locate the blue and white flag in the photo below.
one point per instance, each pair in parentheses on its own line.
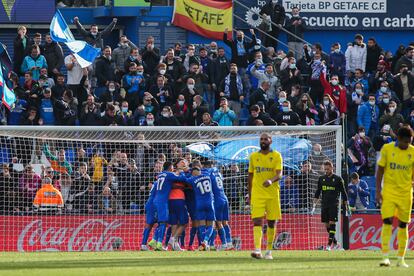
(59,31)
(6,93)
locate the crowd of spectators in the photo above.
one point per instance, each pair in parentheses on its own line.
(367,89)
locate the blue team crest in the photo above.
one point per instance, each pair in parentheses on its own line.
(294,150)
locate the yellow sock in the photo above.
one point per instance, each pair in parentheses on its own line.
(386,237)
(402,241)
(257,235)
(270,237)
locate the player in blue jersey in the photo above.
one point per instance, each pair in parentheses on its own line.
(190,202)
(150,220)
(204,212)
(178,217)
(165,182)
(221,206)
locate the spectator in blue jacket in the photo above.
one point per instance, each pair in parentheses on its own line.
(337,61)
(289,195)
(359,77)
(368,117)
(358,193)
(47,115)
(224,115)
(34,62)
(134,84)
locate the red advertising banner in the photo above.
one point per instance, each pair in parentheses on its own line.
(104,232)
(365,233)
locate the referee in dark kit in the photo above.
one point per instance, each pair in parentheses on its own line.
(331,186)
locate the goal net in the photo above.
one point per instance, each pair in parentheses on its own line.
(105,174)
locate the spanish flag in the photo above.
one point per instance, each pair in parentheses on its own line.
(209,18)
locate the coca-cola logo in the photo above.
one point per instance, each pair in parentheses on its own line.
(366,234)
(90,235)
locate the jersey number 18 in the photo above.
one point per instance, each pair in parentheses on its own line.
(205,186)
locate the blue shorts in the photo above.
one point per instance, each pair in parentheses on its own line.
(221,209)
(162,211)
(150,213)
(205,211)
(178,212)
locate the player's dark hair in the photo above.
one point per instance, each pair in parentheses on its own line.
(354,175)
(196,163)
(405,132)
(208,164)
(327,163)
(178,161)
(166,166)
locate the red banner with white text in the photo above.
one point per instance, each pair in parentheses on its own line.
(106,232)
(365,233)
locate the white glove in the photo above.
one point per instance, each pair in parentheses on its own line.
(313,210)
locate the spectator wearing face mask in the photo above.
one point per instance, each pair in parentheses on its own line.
(167,117)
(213,50)
(328,113)
(110,96)
(306,110)
(181,111)
(385,89)
(392,118)
(120,55)
(404,86)
(134,57)
(355,100)
(150,55)
(290,76)
(380,75)
(134,83)
(190,91)
(95,37)
(161,91)
(149,120)
(126,117)
(336,91)
(358,147)
(104,70)
(356,55)
(337,61)
(359,77)
(276,108)
(287,117)
(259,67)
(368,117)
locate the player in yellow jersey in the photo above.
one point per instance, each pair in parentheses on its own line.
(265,171)
(395,170)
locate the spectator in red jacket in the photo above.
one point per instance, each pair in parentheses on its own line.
(335,90)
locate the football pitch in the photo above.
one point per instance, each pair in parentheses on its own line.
(224,263)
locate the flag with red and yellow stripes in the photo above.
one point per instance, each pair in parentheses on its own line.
(209,18)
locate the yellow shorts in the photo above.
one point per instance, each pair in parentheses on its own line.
(269,207)
(397,207)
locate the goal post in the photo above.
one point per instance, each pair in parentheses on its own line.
(104,175)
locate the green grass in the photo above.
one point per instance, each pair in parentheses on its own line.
(226,263)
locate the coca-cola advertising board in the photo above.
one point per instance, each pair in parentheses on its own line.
(110,232)
(365,233)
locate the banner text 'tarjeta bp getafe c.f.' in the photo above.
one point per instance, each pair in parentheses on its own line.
(368,15)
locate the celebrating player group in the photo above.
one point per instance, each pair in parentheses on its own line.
(179,193)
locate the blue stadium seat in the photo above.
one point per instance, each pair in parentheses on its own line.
(4,156)
(244,116)
(70,155)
